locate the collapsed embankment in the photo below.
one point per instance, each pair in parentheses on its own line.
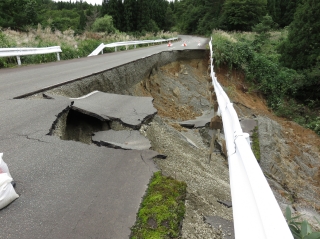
(119,79)
(177,81)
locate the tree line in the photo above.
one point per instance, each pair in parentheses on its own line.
(185,16)
(299,51)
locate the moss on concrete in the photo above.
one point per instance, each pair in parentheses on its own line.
(255,143)
(162,209)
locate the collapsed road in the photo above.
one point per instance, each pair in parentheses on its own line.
(74,189)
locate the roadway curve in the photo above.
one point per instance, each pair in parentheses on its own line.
(67,189)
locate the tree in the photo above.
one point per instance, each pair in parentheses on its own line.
(143,15)
(169,19)
(17,13)
(301,50)
(266,25)
(302,47)
(60,19)
(113,8)
(242,14)
(282,11)
(129,16)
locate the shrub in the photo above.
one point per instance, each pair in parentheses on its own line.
(263,71)
(104,24)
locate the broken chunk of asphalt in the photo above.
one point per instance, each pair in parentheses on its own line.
(200,121)
(220,223)
(132,111)
(123,139)
(228,204)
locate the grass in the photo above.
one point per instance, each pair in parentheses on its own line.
(72,45)
(162,209)
(255,143)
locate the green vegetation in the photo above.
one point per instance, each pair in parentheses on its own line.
(162,209)
(72,45)
(103,24)
(300,230)
(255,143)
(242,14)
(301,49)
(257,55)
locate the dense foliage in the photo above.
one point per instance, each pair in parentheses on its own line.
(301,50)
(139,16)
(242,14)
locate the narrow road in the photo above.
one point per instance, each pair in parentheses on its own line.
(68,189)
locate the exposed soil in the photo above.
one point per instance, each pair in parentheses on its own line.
(180,92)
(293,167)
(289,158)
(289,153)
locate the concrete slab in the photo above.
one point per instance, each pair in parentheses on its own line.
(248,125)
(130,110)
(220,223)
(200,121)
(228,204)
(123,139)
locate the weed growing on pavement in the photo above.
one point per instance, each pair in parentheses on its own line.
(162,209)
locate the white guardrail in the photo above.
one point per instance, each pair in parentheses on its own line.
(127,44)
(256,212)
(6,52)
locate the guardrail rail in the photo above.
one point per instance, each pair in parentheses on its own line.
(17,52)
(127,44)
(256,212)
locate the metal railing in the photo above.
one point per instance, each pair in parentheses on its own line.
(127,44)
(17,52)
(256,212)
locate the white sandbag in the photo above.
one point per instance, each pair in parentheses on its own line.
(7,192)
(3,166)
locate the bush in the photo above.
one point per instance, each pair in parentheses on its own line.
(263,71)
(104,24)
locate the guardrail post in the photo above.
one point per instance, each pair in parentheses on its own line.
(135,46)
(102,51)
(247,137)
(58,56)
(18,60)
(115,49)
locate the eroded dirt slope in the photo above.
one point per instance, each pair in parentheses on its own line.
(180,92)
(289,153)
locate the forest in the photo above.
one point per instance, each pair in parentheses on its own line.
(276,42)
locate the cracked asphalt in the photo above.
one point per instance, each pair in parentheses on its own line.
(67,189)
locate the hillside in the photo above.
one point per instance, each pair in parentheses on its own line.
(290,153)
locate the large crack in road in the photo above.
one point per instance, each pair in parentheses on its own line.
(179,89)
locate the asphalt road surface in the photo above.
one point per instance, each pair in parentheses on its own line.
(68,189)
